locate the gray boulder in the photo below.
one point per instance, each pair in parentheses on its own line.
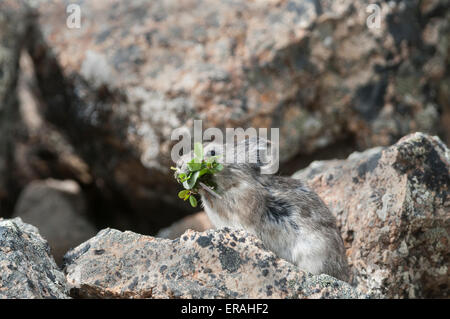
(14,20)
(57,209)
(393,208)
(213,264)
(27,270)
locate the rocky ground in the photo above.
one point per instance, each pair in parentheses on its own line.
(98,104)
(27,268)
(215,264)
(393,209)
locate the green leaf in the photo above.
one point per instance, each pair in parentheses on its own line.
(190,183)
(203,172)
(194,166)
(183,177)
(193,201)
(183,193)
(193,180)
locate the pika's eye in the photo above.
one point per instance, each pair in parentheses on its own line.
(212,153)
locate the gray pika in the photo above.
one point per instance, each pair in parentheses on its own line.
(290,219)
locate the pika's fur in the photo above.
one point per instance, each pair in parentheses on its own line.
(289,218)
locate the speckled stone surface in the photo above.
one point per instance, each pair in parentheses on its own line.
(27,270)
(393,207)
(213,264)
(313,68)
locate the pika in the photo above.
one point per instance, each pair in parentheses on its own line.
(290,219)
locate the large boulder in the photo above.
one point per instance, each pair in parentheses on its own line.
(27,270)
(213,264)
(118,86)
(58,210)
(30,147)
(315,69)
(14,19)
(393,208)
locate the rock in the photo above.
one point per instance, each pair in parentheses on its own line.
(134,71)
(30,148)
(312,68)
(27,270)
(43,151)
(198,222)
(213,264)
(393,208)
(14,18)
(57,209)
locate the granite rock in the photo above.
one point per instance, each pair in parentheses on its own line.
(27,270)
(393,208)
(213,264)
(58,210)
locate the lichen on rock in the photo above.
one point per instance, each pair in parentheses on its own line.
(393,208)
(27,270)
(221,263)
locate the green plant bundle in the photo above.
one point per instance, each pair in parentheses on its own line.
(200,171)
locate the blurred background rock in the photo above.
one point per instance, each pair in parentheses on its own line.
(58,210)
(97,105)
